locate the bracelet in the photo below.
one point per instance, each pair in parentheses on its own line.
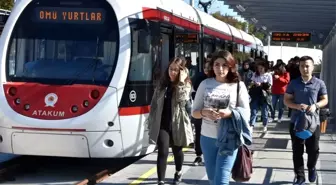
(201,113)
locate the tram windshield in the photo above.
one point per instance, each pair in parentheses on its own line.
(63,43)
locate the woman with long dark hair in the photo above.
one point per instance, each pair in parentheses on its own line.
(217,100)
(168,121)
(260,90)
(281,79)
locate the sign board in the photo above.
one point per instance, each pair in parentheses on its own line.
(69,15)
(291,36)
(187,38)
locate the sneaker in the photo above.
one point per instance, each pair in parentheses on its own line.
(161,183)
(197,161)
(270,120)
(265,129)
(312,175)
(279,120)
(177,178)
(300,181)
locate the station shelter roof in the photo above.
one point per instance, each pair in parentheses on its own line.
(315,16)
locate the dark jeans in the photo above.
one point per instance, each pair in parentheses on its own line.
(164,140)
(275,99)
(255,104)
(198,126)
(289,112)
(312,150)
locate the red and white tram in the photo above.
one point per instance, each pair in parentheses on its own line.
(77,75)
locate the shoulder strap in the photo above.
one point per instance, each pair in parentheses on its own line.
(238,88)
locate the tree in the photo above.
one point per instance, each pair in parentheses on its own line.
(6,4)
(239,25)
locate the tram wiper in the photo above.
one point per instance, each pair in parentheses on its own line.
(95,61)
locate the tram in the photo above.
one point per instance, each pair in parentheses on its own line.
(77,75)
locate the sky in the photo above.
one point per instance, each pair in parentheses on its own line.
(218,6)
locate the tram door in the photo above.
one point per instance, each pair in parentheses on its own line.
(165,48)
(164,54)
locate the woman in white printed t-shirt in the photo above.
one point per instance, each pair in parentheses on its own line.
(215,99)
(259,92)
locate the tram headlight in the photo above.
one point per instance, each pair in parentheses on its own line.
(27,107)
(85,103)
(95,94)
(12,91)
(74,108)
(17,101)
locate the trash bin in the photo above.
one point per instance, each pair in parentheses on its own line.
(324,116)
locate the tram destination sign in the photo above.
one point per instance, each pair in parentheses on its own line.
(187,38)
(69,15)
(291,36)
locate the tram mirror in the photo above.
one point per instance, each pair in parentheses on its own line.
(144,41)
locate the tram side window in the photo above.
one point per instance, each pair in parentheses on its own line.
(141,63)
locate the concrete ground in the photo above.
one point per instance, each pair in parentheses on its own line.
(272,162)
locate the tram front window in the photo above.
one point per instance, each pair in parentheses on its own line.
(52,43)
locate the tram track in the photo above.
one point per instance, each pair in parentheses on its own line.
(104,174)
(50,170)
(9,168)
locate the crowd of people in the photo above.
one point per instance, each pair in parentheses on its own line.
(222,102)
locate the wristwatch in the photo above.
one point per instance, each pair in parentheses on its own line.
(317,106)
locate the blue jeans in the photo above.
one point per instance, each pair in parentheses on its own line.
(255,104)
(275,99)
(218,167)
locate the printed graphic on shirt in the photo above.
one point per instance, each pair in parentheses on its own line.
(216,98)
(265,78)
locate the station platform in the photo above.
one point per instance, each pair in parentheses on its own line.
(272,162)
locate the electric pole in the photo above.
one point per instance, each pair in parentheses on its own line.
(205,5)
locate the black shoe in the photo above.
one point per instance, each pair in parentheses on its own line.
(300,181)
(198,161)
(177,178)
(161,183)
(312,175)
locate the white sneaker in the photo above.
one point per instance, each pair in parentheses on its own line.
(265,129)
(279,120)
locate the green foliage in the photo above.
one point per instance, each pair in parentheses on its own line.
(317,68)
(6,4)
(240,25)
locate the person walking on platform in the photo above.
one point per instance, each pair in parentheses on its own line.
(219,100)
(280,81)
(245,72)
(168,121)
(198,122)
(294,72)
(260,92)
(305,95)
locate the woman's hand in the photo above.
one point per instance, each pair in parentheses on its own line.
(183,74)
(210,114)
(225,113)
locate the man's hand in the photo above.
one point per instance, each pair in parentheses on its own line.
(312,108)
(302,107)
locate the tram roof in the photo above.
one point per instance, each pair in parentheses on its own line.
(315,16)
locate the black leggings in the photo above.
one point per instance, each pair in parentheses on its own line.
(163,151)
(198,127)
